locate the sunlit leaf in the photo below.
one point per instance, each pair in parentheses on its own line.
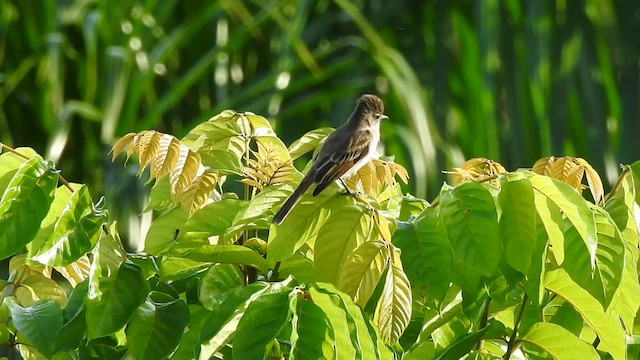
(558,342)
(518,221)
(308,142)
(25,204)
(75,232)
(609,330)
(346,228)
(573,206)
(393,310)
(426,254)
(303,223)
(469,215)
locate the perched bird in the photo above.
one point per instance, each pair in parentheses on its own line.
(344,152)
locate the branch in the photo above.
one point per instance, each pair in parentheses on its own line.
(62,180)
(511,345)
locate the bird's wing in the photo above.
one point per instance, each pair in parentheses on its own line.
(333,165)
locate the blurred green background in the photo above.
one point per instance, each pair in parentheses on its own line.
(508,80)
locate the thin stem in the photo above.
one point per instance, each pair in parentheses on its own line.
(483,321)
(62,180)
(511,345)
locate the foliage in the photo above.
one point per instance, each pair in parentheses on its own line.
(501,264)
(507,80)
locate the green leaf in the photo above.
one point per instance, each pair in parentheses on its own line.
(160,195)
(393,311)
(345,229)
(274,143)
(358,263)
(348,322)
(157,326)
(254,215)
(216,284)
(411,207)
(175,268)
(312,336)
(60,200)
(300,267)
(518,221)
(470,217)
(259,325)
(308,142)
(75,232)
(10,163)
(560,312)
(228,254)
(223,313)
(551,220)
(558,342)
(573,206)
(25,204)
(164,231)
(608,329)
(303,223)
(113,299)
(72,332)
(37,323)
(214,219)
(39,287)
(610,254)
(620,205)
(190,340)
(426,254)
(534,286)
(462,345)
(226,162)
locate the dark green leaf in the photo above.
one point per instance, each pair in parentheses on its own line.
(164,231)
(228,254)
(312,336)
(216,284)
(156,328)
(259,325)
(72,332)
(426,254)
(113,299)
(37,323)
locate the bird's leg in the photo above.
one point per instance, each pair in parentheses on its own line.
(346,188)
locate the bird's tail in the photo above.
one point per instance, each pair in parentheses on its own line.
(306,182)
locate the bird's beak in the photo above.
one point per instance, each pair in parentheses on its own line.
(383,117)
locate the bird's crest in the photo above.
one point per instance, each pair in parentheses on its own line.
(371,103)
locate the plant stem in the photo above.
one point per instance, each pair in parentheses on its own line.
(511,345)
(483,321)
(62,180)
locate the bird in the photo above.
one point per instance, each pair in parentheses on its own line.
(344,152)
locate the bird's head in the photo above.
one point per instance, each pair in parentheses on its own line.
(371,108)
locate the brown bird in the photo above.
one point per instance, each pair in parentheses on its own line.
(344,152)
